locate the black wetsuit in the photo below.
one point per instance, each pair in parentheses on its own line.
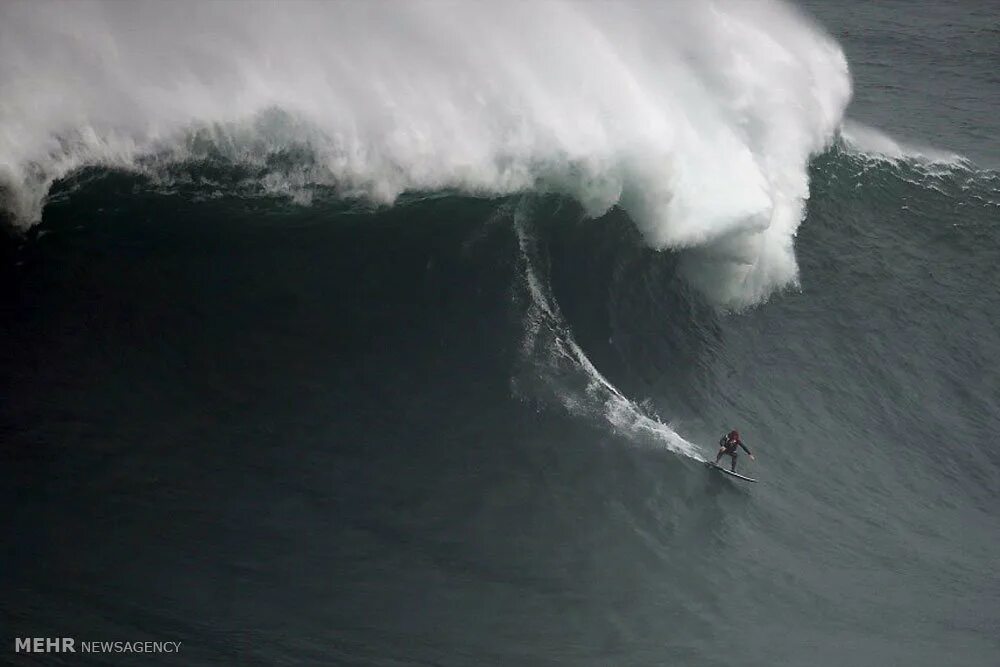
(729,449)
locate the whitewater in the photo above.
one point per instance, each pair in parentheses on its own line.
(698,118)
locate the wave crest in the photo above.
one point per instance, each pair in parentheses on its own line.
(697,118)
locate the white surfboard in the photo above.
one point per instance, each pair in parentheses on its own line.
(711,464)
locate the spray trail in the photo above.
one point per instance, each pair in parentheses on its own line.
(560,363)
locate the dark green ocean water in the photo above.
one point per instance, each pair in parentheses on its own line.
(432,433)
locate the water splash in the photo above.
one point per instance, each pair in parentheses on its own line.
(558,362)
(698,118)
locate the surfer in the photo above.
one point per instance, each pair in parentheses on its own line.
(728,447)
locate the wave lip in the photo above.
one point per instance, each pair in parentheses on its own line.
(699,119)
(864,140)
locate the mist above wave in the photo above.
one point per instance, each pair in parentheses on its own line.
(697,118)
(861,139)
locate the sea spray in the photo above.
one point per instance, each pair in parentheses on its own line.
(698,118)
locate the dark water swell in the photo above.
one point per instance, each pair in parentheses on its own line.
(291,433)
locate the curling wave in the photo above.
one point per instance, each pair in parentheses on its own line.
(699,119)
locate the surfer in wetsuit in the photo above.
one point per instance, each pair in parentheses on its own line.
(728,447)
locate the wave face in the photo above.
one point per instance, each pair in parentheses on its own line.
(379,424)
(697,118)
(333,336)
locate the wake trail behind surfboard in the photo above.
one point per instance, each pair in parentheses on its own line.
(561,364)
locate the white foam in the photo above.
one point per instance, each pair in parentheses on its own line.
(697,117)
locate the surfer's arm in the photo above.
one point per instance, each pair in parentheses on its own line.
(745,449)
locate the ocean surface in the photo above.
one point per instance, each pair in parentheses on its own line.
(398,334)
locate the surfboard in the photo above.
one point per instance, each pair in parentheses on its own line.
(711,464)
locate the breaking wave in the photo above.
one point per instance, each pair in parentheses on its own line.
(698,118)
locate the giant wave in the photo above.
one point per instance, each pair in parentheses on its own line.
(698,118)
